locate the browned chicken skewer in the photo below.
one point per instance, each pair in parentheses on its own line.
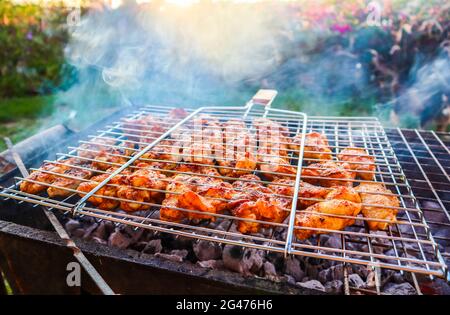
(167,152)
(377,195)
(341,201)
(254,201)
(192,192)
(306,192)
(107,159)
(316,146)
(359,161)
(96,145)
(144,185)
(42,176)
(328,174)
(100,199)
(203,142)
(273,142)
(238,150)
(70,180)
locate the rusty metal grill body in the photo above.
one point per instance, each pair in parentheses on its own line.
(408,245)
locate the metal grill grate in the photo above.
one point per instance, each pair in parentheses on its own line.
(408,245)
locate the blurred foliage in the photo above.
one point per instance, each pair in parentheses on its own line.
(32,38)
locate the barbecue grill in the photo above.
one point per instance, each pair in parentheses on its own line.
(411,164)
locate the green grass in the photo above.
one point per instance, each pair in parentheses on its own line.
(21,117)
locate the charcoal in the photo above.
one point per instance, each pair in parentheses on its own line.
(205,250)
(397,278)
(133,233)
(101,231)
(153,247)
(277,259)
(211,264)
(437,286)
(362,271)
(312,285)
(78,233)
(99,240)
(242,260)
(182,253)
(290,279)
(72,225)
(334,241)
(334,287)
(118,239)
(292,268)
(175,258)
(89,230)
(356,281)
(333,273)
(399,289)
(370,281)
(269,269)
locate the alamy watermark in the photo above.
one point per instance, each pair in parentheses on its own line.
(73,278)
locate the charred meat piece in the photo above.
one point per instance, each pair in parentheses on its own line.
(100,198)
(328,174)
(340,200)
(42,176)
(253,201)
(376,195)
(276,167)
(313,217)
(203,192)
(238,150)
(107,159)
(272,137)
(316,146)
(70,180)
(96,145)
(167,152)
(359,161)
(144,185)
(306,191)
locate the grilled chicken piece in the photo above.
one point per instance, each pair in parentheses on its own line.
(199,193)
(143,185)
(175,188)
(315,142)
(100,198)
(273,149)
(359,161)
(40,175)
(177,114)
(253,201)
(275,167)
(340,200)
(107,159)
(306,191)
(144,129)
(377,195)
(314,219)
(238,151)
(272,137)
(197,148)
(167,152)
(73,177)
(90,150)
(197,169)
(328,174)
(126,148)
